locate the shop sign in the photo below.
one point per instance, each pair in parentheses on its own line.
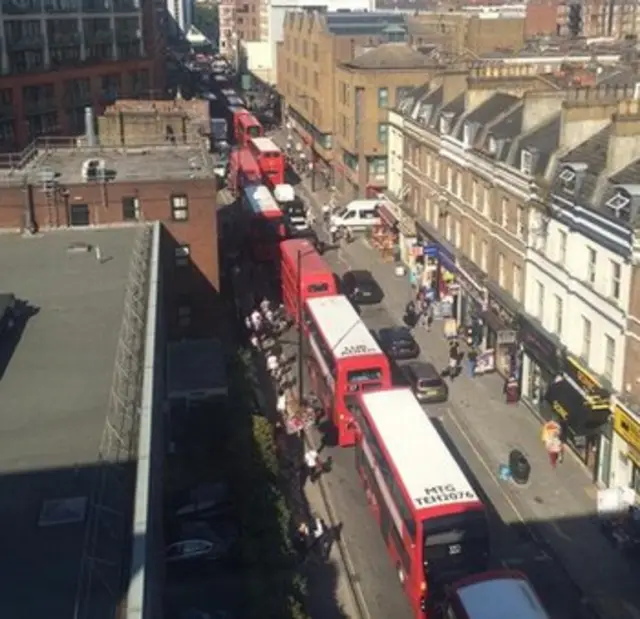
(544,351)
(588,383)
(629,429)
(493,305)
(468,285)
(431,250)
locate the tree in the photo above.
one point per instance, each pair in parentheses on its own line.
(205,19)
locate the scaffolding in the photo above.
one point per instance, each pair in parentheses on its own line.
(104,563)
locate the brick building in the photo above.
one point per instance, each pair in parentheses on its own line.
(61,185)
(54,63)
(241,20)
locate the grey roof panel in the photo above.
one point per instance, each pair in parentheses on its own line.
(488,110)
(544,140)
(390,56)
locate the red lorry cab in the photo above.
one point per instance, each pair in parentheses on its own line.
(303,274)
(246,126)
(345,359)
(433,523)
(270,159)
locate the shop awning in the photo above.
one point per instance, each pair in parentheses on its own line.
(584,414)
(387,216)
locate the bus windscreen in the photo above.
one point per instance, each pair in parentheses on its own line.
(364,376)
(456,544)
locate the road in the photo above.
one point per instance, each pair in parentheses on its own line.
(514,545)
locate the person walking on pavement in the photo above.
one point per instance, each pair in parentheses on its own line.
(301,540)
(472,359)
(454,356)
(554,449)
(333,233)
(312,462)
(326,213)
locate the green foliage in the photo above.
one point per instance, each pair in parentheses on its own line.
(205,19)
(273,587)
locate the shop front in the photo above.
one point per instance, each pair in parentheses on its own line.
(471,299)
(501,332)
(541,360)
(625,460)
(408,248)
(582,406)
(385,237)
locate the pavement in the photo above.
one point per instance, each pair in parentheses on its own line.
(547,528)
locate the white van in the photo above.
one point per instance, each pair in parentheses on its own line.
(357,215)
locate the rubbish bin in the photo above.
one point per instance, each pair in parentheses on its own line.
(520,467)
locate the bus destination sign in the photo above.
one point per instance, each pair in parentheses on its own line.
(448,493)
(358,349)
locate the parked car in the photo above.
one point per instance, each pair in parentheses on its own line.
(426,382)
(398,343)
(201,503)
(201,542)
(361,287)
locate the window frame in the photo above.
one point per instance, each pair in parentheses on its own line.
(383,98)
(179,208)
(181,255)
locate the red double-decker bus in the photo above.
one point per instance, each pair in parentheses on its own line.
(303,274)
(270,159)
(243,170)
(246,126)
(501,593)
(345,359)
(265,226)
(433,523)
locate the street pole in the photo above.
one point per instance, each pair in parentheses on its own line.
(300,333)
(313,163)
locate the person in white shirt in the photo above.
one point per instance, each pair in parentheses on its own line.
(281,404)
(268,314)
(319,529)
(272,365)
(265,304)
(312,462)
(255,342)
(256,320)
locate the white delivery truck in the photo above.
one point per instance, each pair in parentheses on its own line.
(292,206)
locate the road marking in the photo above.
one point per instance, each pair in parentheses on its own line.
(492,476)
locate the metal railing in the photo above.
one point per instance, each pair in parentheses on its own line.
(102,575)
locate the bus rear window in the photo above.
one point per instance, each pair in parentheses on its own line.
(317,288)
(455,529)
(361,376)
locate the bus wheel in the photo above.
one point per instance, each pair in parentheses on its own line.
(401,576)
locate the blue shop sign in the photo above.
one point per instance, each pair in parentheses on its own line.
(435,250)
(431,250)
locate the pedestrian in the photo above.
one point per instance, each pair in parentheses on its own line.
(348,235)
(301,540)
(254,341)
(413,280)
(265,305)
(273,366)
(472,359)
(256,321)
(281,403)
(326,213)
(429,315)
(333,233)
(554,449)
(454,355)
(312,462)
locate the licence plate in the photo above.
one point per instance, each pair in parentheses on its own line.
(429,392)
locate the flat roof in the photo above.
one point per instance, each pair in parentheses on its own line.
(345,333)
(501,598)
(312,261)
(175,162)
(57,376)
(428,470)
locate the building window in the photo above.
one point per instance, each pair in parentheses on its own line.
(520,221)
(449,227)
(539,301)
(517,282)
(383,98)
(79,215)
(591,265)
(609,357)
(179,208)
(562,247)
(504,212)
(315,52)
(472,246)
(383,133)
(130,209)
(526,162)
(458,233)
(557,318)
(484,256)
(501,273)
(485,201)
(436,214)
(475,193)
(181,255)
(616,271)
(428,164)
(450,178)
(586,339)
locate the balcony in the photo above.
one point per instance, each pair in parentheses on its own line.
(56,6)
(24,44)
(37,107)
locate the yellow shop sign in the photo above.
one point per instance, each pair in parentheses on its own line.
(629,429)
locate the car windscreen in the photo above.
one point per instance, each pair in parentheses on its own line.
(429,383)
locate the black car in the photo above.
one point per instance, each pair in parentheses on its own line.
(426,382)
(361,288)
(398,343)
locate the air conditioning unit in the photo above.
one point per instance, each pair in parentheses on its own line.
(93,169)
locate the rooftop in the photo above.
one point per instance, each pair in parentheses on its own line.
(354,23)
(390,56)
(542,141)
(65,160)
(489,110)
(57,384)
